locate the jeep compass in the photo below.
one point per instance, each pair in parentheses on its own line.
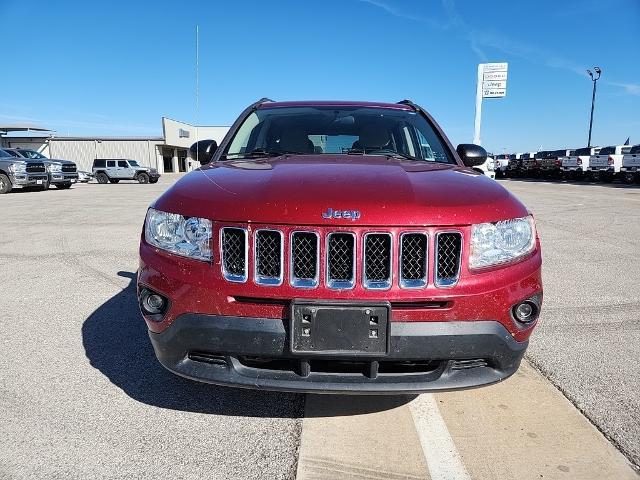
(339,247)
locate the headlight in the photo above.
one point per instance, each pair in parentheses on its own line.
(189,237)
(501,242)
(54,167)
(18,167)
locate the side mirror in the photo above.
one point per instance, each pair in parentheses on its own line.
(472,155)
(203,151)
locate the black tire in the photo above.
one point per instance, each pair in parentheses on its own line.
(63,186)
(143,178)
(102,178)
(153,180)
(628,177)
(5,184)
(114,180)
(45,185)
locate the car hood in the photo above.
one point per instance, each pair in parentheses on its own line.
(297,190)
(56,160)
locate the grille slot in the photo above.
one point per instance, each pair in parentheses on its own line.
(377,260)
(35,167)
(69,167)
(268,257)
(304,259)
(341,260)
(448,252)
(233,244)
(413,260)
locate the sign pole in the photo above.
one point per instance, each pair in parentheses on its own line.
(476,131)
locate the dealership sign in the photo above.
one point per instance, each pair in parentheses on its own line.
(494,79)
(492,83)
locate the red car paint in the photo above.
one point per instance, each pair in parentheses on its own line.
(391,194)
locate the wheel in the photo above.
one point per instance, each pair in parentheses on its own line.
(102,177)
(114,180)
(153,180)
(45,185)
(143,178)
(595,176)
(5,184)
(628,177)
(63,186)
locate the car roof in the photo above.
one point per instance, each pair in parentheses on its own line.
(335,103)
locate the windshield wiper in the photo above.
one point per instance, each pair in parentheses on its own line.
(262,152)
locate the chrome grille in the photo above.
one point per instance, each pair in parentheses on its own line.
(377,260)
(304,262)
(233,243)
(448,253)
(341,253)
(413,260)
(268,257)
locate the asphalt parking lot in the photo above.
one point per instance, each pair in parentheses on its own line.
(82,395)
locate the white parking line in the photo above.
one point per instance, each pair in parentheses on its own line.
(443,460)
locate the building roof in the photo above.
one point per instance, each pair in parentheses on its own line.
(22,127)
(103,138)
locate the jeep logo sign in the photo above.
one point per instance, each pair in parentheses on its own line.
(352,215)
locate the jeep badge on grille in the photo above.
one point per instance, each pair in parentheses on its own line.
(352,215)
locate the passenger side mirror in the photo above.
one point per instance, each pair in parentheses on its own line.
(203,151)
(472,155)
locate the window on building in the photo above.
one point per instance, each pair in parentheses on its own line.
(182,160)
(167,159)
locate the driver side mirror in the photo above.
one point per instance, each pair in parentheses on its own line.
(471,154)
(203,151)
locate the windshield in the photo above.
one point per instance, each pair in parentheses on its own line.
(338,130)
(31,154)
(133,163)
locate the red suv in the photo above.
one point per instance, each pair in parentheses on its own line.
(339,247)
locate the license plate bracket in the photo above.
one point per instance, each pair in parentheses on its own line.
(339,329)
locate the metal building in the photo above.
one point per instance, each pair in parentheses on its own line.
(168,153)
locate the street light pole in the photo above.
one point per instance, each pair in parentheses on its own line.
(594,79)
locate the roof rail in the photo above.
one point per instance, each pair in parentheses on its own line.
(409,103)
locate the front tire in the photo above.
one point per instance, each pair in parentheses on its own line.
(153,180)
(63,186)
(102,178)
(143,178)
(5,184)
(114,180)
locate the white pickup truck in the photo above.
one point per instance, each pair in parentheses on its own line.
(607,162)
(630,169)
(577,164)
(501,162)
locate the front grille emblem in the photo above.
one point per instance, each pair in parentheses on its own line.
(352,215)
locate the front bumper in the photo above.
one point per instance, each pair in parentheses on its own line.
(254,353)
(28,179)
(63,178)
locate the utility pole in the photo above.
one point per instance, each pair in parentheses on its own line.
(594,79)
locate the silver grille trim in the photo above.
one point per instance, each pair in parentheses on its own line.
(234,253)
(413,268)
(305,275)
(377,264)
(268,255)
(448,258)
(340,264)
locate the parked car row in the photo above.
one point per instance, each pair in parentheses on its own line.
(23,168)
(594,163)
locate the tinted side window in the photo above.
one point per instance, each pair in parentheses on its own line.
(608,151)
(123,164)
(635,149)
(99,163)
(111,163)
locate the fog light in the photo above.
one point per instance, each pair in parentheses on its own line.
(152,303)
(525,312)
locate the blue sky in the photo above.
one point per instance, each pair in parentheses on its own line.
(114,68)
